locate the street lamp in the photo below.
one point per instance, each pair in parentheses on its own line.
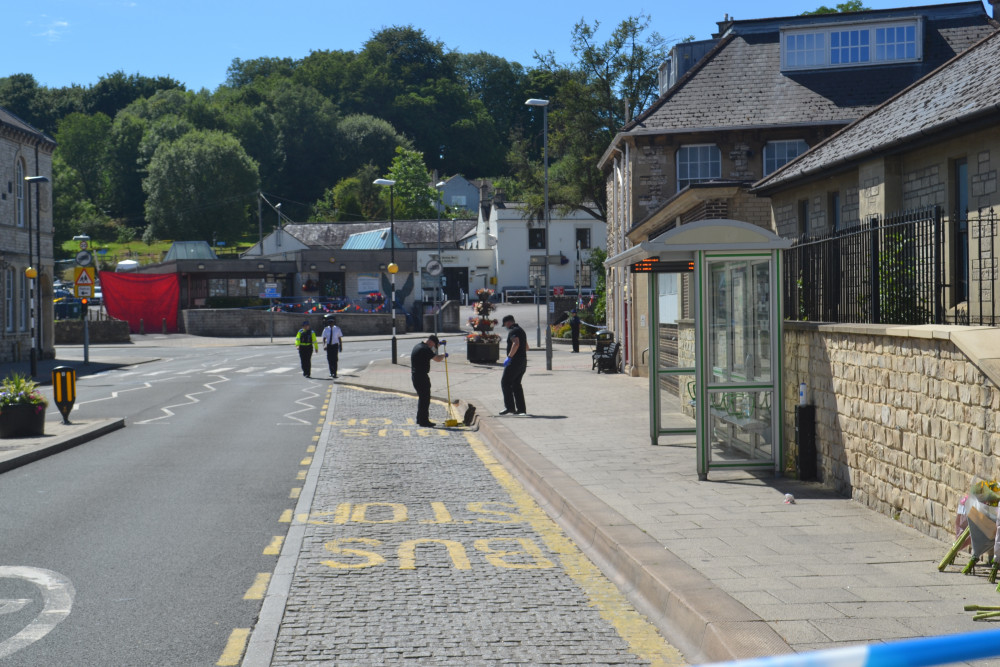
(440,287)
(36,297)
(533,102)
(393,268)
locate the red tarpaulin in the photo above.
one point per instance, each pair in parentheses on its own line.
(138,297)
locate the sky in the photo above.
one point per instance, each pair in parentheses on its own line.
(62,42)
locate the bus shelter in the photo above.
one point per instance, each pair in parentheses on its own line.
(725,370)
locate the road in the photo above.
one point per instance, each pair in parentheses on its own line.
(160,529)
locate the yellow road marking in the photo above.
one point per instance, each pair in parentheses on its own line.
(274,548)
(311,449)
(302,474)
(642,637)
(295,492)
(286,517)
(259,587)
(319,429)
(315,438)
(306,461)
(233,652)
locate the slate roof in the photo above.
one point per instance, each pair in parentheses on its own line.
(411,233)
(11,121)
(739,84)
(963,93)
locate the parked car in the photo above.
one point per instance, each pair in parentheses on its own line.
(60,294)
(98,297)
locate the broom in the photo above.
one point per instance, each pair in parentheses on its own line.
(451,421)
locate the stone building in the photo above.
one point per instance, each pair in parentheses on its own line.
(767,91)
(25,239)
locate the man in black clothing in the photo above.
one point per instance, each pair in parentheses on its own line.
(574,327)
(514,367)
(420,368)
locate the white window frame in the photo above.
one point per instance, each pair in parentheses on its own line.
(852,44)
(705,159)
(779,153)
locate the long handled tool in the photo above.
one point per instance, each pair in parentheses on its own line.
(451,421)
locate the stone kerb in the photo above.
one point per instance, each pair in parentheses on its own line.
(237,322)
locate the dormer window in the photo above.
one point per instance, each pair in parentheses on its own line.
(852,45)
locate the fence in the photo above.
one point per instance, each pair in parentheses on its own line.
(913,268)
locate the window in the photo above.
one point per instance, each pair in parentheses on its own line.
(536,238)
(852,45)
(586,275)
(803,218)
(960,185)
(779,153)
(536,276)
(19,190)
(8,300)
(458,200)
(583,238)
(835,221)
(697,164)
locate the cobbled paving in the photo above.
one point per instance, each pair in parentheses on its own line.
(415,554)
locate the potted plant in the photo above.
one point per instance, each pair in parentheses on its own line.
(482,345)
(22,407)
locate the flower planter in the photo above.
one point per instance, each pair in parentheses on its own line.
(22,421)
(482,353)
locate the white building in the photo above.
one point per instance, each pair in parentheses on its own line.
(519,245)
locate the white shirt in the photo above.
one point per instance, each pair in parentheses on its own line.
(332,335)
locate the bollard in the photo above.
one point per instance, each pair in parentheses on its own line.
(164,326)
(142,327)
(64,390)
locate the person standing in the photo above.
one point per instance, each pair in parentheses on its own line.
(305,342)
(514,367)
(333,342)
(574,328)
(420,368)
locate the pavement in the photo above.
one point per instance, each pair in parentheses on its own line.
(725,568)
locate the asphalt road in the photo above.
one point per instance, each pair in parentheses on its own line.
(156,533)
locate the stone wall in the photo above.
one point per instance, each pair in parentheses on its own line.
(70,332)
(235,322)
(904,419)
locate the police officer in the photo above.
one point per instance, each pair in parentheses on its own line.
(420,368)
(305,342)
(514,367)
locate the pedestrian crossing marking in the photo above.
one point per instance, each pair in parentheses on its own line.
(281,369)
(249,369)
(219,370)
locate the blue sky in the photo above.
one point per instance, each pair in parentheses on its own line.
(62,42)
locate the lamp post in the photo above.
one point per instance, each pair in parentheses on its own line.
(36,297)
(533,102)
(438,292)
(393,268)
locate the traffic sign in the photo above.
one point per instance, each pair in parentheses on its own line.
(84,258)
(83,281)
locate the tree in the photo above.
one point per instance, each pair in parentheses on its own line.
(117,90)
(82,144)
(844,7)
(367,139)
(590,102)
(199,187)
(413,195)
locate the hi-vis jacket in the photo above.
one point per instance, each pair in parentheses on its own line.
(303,339)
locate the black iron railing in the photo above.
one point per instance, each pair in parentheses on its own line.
(917,267)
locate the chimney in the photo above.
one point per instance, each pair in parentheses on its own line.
(725,24)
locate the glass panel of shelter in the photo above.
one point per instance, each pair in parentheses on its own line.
(738,325)
(674,354)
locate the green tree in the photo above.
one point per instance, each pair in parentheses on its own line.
(82,145)
(844,7)
(590,102)
(200,187)
(367,139)
(353,199)
(117,90)
(125,196)
(413,195)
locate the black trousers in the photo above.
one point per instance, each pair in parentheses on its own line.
(576,339)
(510,384)
(332,354)
(422,384)
(305,358)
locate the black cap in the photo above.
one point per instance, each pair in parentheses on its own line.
(305,323)
(508,318)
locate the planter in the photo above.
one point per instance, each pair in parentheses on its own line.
(482,353)
(22,421)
